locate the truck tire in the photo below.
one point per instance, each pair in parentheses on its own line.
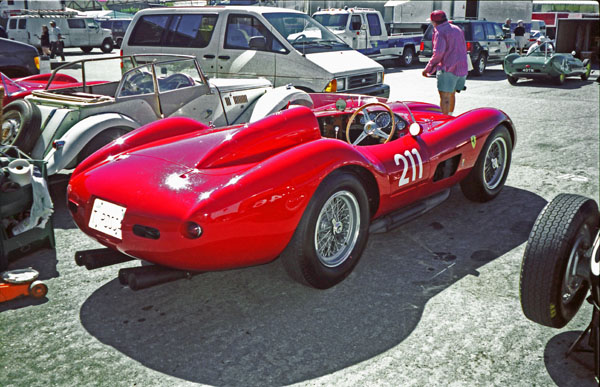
(86,49)
(408,56)
(21,125)
(107,45)
(480,64)
(551,294)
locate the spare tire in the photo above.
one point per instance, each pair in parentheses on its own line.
(21,123)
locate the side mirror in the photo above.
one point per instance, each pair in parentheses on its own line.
(257,43)
(414,129)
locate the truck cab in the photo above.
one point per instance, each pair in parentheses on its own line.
(364,30)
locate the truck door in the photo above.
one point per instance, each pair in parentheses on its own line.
(360,39)
(93,32)
(77,33)
(247,49)
(492,41)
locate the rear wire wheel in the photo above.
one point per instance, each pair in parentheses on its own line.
(332,233)
(552,288)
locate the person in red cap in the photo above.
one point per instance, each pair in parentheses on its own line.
(449,60)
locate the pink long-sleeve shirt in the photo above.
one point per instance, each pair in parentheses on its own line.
(449,50)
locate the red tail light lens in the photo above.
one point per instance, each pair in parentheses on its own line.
(422,47)
(469,46)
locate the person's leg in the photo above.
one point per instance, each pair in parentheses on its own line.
(445,101)
(452,103)
(52,50)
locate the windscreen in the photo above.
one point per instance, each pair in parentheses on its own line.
(304,33)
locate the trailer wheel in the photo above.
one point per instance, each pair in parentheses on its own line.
(551,287)
(408,56)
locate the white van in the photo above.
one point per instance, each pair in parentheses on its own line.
(281,45)
(81,32)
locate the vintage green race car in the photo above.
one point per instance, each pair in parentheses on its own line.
(545,63)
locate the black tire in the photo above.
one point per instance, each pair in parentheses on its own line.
(98,142)
(486,179)
(21,125)
(408,57)
(559,80)
(302,259)
(86,49)
(118,42)
(588,70)
(480,64)
(512,80)
(107,45)
(565,226)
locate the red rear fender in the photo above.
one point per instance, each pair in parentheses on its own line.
(158,130)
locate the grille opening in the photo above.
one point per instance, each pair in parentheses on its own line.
(446,168)
(146,232)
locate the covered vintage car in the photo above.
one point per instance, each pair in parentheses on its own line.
(305,184)
(64,126)
(545,63)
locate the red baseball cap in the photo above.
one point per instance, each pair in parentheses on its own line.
(438,16)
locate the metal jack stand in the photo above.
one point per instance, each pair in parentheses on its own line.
(594,340)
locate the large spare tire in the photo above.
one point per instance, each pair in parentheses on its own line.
(21,122)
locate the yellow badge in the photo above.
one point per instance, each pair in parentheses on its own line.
(473,141)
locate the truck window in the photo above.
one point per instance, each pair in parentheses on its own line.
(355,23)
(333,21)
(190,30)
(243,28)
(478,33)
(76,23)
(374,25)
(498,30)
(489,31)
(12,24)
(148,30)
(22,24)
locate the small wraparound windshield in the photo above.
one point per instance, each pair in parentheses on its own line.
(304,33)
(333,21)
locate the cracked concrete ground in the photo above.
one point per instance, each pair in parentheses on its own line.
(434,302)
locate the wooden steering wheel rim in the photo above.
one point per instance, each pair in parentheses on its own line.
(360,109)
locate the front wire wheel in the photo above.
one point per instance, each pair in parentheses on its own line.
(486,179)
(331,234)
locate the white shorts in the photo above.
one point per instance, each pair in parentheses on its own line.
(520,41)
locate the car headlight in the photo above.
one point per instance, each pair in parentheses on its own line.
(341,83)
(331,86)
(380,77)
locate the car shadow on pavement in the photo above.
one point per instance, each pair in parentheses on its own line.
(58,191)
(496,74)
(257,326)
(577,370)
(570,83)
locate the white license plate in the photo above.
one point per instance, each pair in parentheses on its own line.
(528,70)
(107,217)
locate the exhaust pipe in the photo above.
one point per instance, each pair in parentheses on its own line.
(143,277)
(97,258)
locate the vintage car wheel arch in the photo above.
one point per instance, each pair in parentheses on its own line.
(81,134)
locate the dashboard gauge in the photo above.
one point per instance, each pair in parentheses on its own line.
(363,119)
(383,119)
(400,123)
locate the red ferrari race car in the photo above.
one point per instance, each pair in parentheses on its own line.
(307,184)
(21,87)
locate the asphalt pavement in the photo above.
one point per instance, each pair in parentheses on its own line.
(434,302)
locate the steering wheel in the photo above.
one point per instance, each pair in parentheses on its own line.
(370,128)
(138,83)
(298,38)
(175,81)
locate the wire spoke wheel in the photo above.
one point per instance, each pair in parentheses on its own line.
(495,163)
(337,228)
(11,126)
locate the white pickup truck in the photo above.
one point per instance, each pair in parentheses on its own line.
(364,30)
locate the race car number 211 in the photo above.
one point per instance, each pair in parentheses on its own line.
(398,157)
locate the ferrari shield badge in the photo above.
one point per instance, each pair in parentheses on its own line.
(473,141)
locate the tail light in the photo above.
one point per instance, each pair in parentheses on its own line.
(422,47)
(469,46)
(121,54)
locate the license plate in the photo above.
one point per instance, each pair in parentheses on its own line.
(107,217)
(528,70)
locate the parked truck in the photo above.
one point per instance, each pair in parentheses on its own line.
(364,30)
